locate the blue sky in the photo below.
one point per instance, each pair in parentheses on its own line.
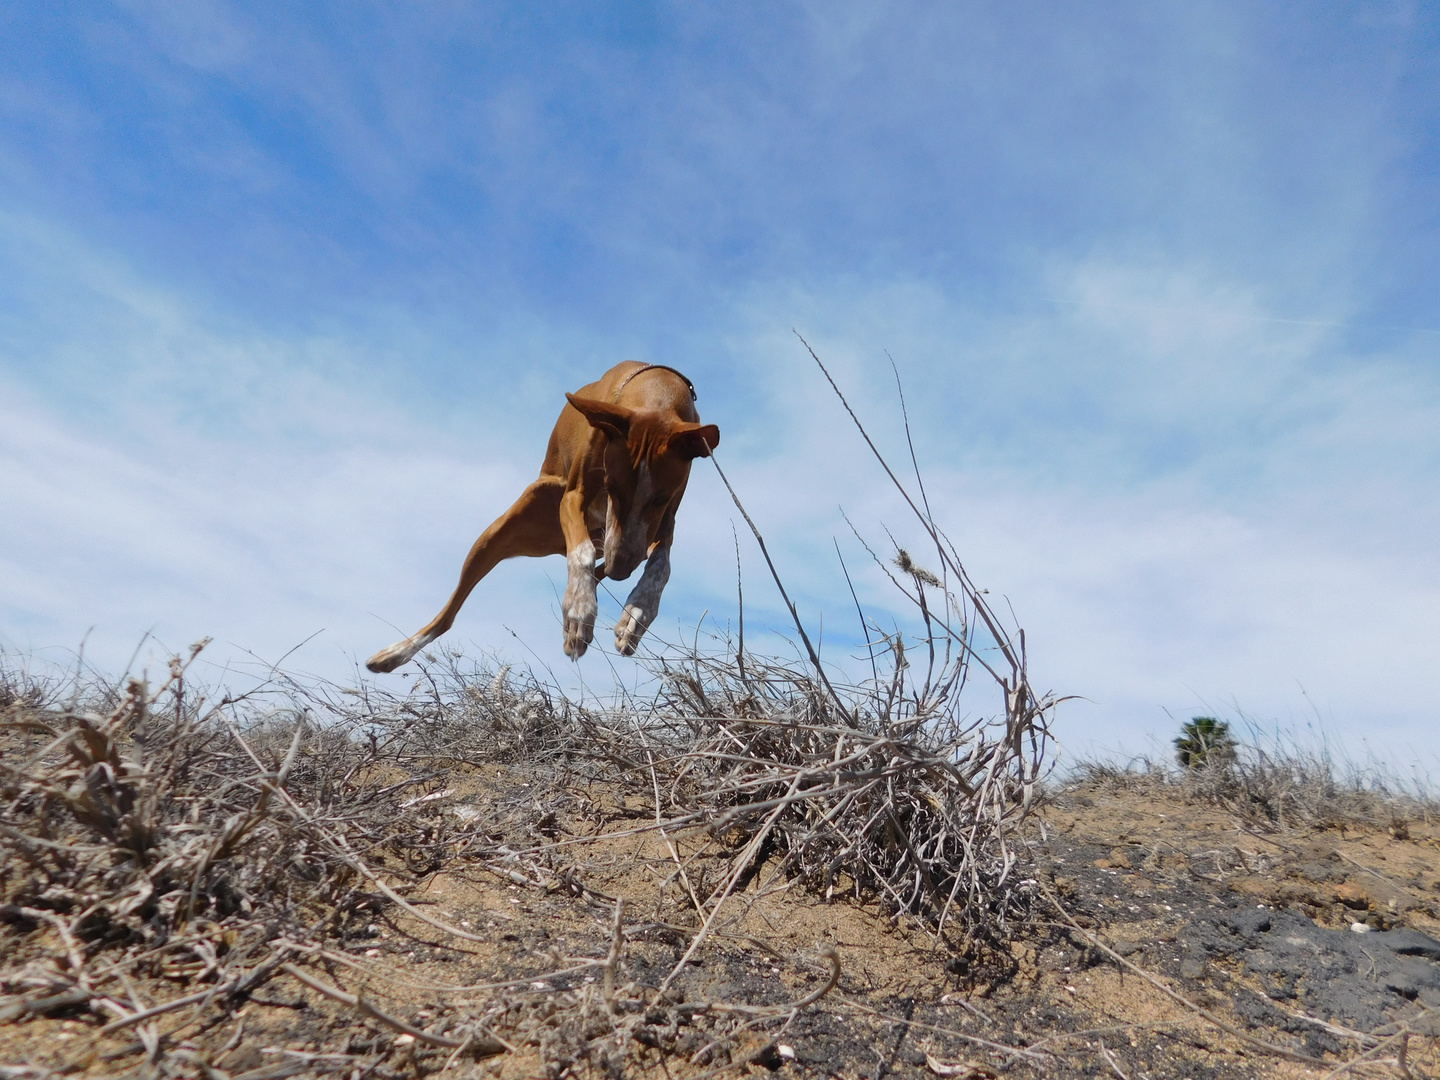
(289,297)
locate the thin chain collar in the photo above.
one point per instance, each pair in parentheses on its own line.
(656,367)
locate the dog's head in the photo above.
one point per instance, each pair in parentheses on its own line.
(647,461)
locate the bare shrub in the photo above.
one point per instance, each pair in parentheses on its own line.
(173,840)
(20,686)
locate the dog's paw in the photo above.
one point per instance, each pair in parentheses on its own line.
(578,635)
(391,658)
(630,629)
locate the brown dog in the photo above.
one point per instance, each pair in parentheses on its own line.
(613,477)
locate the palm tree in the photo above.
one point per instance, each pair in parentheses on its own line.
(1203,741)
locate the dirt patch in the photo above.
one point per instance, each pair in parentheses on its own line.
(1321,942)
(1214,911)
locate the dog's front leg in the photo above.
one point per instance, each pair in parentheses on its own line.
(578,607)
(644,602)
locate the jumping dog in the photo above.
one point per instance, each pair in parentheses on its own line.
(613,477)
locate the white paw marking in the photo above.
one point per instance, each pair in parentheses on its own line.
(579,605)
(399,654)
(643,603)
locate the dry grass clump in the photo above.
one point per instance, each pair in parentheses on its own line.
(1282,785)
(163,860)
(169,843)
(455,713)
(887,795)
(884,791)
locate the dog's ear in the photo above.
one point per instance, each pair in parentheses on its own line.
(614,420)
(693,440)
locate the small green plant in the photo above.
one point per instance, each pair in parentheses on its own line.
(1204,741)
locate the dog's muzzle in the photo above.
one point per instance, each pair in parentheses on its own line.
(619,567)
(622,553)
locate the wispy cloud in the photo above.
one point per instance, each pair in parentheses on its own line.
(193,475)
(242,489)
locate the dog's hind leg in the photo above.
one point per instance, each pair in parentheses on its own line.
(530,527)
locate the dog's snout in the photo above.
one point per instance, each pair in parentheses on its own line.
(622,564)
(622,552)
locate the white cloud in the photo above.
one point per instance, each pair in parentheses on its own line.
(319,501)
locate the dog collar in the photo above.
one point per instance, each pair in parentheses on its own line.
(659,367)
